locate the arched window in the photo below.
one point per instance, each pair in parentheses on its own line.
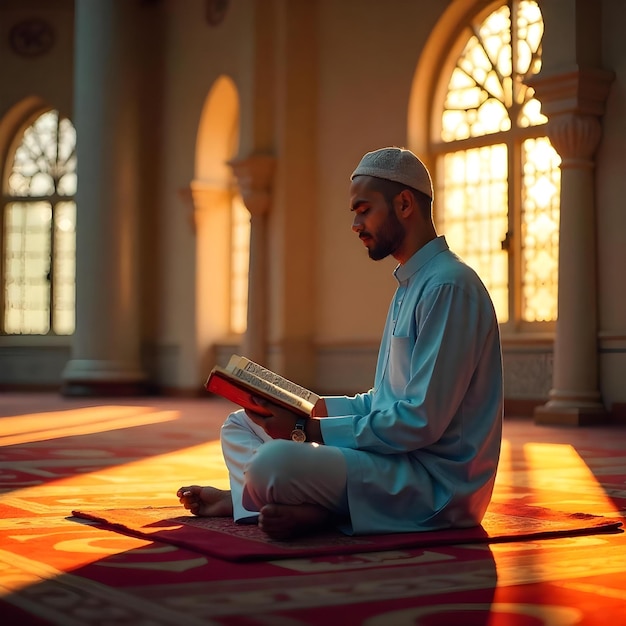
(497,175)
(38,230)
(239,260)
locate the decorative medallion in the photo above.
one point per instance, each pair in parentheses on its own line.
(31,38)
(216,10)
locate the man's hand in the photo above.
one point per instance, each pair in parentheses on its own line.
(320,410)
(280,424)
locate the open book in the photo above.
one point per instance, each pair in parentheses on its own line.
(243,379)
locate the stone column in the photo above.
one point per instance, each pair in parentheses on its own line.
(211,214)
(254,178)
(106,344)
(574,101)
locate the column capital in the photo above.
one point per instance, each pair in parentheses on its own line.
(200,196)
(573,101)
(254,176)
(575,138)
(579,90)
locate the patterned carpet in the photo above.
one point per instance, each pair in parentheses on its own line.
(57,455)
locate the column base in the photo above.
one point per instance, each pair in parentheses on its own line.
(548,415)
(572,408)
(104,389)
(89,378)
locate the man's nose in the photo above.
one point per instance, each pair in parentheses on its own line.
(357,226)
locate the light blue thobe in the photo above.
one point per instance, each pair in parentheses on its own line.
(422,446)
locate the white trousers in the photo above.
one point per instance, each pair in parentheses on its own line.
(263,470)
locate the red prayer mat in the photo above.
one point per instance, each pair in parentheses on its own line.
(222,538)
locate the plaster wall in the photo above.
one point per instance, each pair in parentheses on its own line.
(611,211)
(364,91)
(317,109)
(195,56)
(48,77)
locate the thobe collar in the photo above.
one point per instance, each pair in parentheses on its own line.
(420,258)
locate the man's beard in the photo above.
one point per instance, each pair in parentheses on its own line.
(388,238)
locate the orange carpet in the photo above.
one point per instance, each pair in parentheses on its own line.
(59,455)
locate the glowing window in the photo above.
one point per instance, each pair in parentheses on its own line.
(498,177)
(473,219)
(38,231)
(540,230)
(240,259)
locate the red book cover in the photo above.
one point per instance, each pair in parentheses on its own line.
(226,388)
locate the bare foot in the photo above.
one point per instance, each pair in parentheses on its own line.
(206,501)
(284,521)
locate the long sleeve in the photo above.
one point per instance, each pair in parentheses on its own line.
(427,376)
(422,446)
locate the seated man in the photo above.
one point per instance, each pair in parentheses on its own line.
(419,450)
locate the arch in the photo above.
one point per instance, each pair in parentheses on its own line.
(218,133)
(502,218)
(39,211)
(212,192)
(15,120)
(443,38)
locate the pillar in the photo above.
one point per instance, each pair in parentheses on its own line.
(212,214)
(254,178)
(574,101)
(106,344)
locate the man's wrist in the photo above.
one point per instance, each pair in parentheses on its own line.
(314,430)
(298,433)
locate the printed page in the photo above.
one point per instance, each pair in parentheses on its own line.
(261,372)
(269,388)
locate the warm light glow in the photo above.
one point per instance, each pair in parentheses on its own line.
(103,479)
(240,261)
(540,230)
(488,79)
(531,114)
(555,468)
(472,215)
(39,231)
(487,95)
(553,476)
(23,429)
(106,476)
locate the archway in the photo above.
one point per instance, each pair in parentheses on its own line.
(212,191)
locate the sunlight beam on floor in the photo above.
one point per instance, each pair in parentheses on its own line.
(86,421)
(559,468)
(149,482)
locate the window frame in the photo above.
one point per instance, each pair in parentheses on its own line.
(15,132)
(513,139)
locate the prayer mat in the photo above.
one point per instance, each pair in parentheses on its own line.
(222,538)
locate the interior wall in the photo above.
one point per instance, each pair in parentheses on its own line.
(349,92)
(611,213)
(364,91)
(28,86)
(48,76)
(196,55)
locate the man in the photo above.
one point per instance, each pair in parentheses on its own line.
(419,451)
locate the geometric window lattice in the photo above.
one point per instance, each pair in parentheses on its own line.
(540,230)
(39,231)
(486,93)
(498,199)
(473,220)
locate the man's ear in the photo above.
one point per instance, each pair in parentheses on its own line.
(407,203)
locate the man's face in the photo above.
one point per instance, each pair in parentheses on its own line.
(375,222)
